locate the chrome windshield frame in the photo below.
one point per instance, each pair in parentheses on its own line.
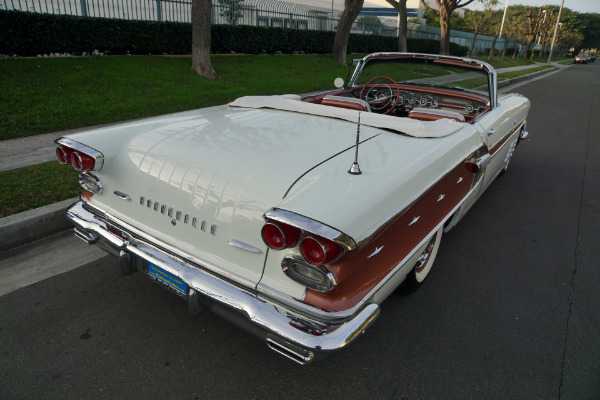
(492,79)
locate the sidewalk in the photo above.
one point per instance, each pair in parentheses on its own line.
(22,152)
(33,150)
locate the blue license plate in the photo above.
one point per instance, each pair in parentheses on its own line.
(167,278)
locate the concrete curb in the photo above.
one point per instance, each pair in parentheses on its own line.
(34,224)
(533,75)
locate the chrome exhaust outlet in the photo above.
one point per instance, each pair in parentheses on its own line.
(286,349)
(87,237)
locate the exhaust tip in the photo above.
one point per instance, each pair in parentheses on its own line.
(288,350)
(87,237)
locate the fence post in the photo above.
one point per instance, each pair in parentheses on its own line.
(84,12)
(158,10)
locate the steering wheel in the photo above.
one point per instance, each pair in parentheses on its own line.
(380,96)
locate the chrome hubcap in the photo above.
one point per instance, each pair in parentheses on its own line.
(420,264)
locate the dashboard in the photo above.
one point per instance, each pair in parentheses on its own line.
(409,100)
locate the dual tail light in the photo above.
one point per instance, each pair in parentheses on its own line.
(80,156)
(83,159)
(315,251)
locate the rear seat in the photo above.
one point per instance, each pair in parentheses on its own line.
(346,102)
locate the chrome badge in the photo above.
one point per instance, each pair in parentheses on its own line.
(176,215)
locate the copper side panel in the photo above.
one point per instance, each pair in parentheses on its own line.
(360,271)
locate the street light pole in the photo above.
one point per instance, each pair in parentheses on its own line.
(503,17)
(555,30)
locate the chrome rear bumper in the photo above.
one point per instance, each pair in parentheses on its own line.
(294,334)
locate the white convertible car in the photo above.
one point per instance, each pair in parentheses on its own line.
(296,216)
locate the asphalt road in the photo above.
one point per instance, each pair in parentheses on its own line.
(511,310)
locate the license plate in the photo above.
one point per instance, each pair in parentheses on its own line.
(167,278)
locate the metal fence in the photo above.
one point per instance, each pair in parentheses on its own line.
(482,42)
(273,13)
(243,12)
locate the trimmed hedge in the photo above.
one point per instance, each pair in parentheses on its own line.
(30,34)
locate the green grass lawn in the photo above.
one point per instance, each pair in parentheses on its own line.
(46,95)
(31,187)
(54,94)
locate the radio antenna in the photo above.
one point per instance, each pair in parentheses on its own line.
(355,168)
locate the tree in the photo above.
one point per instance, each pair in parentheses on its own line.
(510,31)
(535,24)
(371,23)
(476,21)
(400,6)
(456,21)
(589,29)
(547,31)
(445,8)
(492,29)
(201,39)
(340,42)
(232,10)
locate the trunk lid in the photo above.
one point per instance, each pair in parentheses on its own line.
(202,179)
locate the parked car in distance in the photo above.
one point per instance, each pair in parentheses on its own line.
(297,216)
(582,58)
(592,57)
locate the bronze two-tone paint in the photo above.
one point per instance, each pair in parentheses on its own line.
(362,269)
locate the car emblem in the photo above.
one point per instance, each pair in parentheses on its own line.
(176,215)
(377,250)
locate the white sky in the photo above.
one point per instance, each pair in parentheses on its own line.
(583,6)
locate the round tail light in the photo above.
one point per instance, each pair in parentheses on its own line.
(64,155)
(279,236)
(82,162)
(319,251)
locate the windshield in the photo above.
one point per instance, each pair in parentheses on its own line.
(436,72)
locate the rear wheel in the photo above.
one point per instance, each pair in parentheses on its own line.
(420,271)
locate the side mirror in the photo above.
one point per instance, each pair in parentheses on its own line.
(339,83)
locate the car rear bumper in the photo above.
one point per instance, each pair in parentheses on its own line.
(294,334)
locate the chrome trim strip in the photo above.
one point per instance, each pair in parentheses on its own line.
(383,282)
(502,142)
(103,219)
(491,72)
(269,316)
(93,177)
(244,246)
(312,226)
(290,259)
(122,195)
(342,315)
(395,212)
